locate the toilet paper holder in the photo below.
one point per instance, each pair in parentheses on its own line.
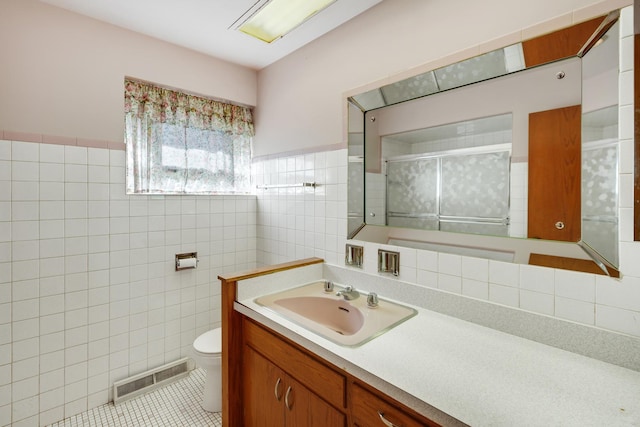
(186,261)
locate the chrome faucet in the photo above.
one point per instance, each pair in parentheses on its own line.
(348,293)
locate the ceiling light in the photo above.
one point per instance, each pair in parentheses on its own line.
(277,17)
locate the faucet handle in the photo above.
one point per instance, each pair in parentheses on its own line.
(372,300)
(346,290)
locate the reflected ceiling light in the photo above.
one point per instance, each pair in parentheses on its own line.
(275,18)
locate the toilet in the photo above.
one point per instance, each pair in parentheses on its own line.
(207,349)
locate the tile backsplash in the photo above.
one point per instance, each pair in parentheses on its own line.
(299,222)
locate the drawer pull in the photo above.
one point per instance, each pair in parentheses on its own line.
(386,421)
(286,398)
(276,390)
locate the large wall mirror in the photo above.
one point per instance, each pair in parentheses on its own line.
(511,155)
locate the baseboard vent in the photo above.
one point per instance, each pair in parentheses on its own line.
(145,382)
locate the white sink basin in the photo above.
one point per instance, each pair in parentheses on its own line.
(348,323)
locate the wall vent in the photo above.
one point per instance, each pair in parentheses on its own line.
(145,382)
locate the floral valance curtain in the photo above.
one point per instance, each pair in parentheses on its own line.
(172,107)
(184,144)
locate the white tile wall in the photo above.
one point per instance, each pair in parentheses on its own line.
(300,222)
(518,203)
(88,291)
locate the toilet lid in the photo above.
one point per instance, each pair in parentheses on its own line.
(209,342)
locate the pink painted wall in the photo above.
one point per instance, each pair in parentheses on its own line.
(301,97)
(62,73)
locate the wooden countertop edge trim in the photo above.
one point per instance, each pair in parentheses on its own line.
(270,269)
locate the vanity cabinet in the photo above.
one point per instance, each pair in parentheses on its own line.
(273,391)
(262,380)
(260,367)
(273,398)
(274,372)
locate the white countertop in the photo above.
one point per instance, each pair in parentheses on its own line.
(478,375)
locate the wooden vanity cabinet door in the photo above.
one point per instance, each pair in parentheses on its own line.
(261,378)
(367,406)
(320,378)
(271,394)
(307,409)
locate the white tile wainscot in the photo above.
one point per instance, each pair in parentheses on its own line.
(88,288)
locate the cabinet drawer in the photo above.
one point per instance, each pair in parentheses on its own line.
(366,408)
(319,378)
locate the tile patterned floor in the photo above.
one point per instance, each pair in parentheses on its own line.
(177,404)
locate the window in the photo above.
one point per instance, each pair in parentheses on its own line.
(184,144)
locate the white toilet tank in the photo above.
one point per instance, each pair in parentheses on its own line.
(209,343)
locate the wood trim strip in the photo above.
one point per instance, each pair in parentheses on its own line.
(636,130)
(231,345)
(234,277)
(231,413)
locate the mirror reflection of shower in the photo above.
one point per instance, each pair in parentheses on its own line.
(453,177)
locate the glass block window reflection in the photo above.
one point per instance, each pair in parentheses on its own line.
(477,69)
(411,88)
